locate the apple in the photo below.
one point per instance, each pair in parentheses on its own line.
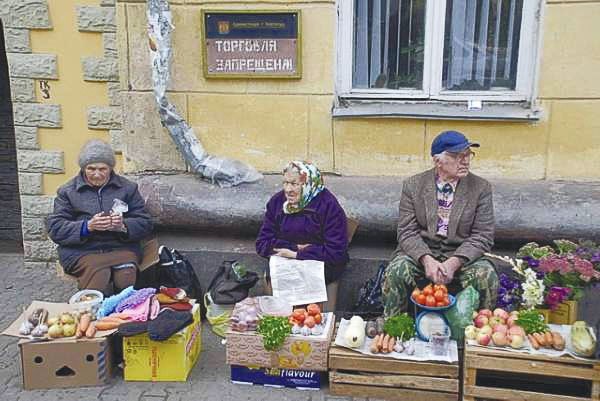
(481,321)
(511,320)
(516,341)
(486,330)
(499,339)
(501,313)
(495,320)
(475,314)
(500,328)
(516,331)
(483,339)
(485,312)
(514,313)
(471,332)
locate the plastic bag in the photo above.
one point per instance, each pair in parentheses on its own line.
(272,306)
(217,315)
(461,314)
(245,315)
(119,207)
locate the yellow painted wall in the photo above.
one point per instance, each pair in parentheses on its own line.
(70,91)
(267,122)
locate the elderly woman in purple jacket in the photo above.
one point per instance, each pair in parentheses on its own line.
(305,221)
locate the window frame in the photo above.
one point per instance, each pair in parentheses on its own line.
(527,66)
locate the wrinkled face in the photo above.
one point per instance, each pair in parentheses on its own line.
(97,174)
(292,187)
(455,165)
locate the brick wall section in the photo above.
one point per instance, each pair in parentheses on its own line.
(102,19)
(25,67)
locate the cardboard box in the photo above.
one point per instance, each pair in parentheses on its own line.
(566,313)
(169,360)
(297,352)
(275,377)
(64,363)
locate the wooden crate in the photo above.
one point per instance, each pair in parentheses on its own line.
(540,369)
(358,375)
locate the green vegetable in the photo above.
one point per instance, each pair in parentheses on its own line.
(274,330)
(401,326)
(532,322)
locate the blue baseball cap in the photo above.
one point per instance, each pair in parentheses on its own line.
(451,141)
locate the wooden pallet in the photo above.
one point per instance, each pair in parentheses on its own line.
(358,375)
(536,368)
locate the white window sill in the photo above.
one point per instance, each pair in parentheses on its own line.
(507,111)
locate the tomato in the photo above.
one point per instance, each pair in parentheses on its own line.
(318,318)
(440,287)
(439,295)
(430,300)
(313,309)
(438,304)
(415,294)
(299,315)
(310,322)
(428,290)
(446,301)
(421,299)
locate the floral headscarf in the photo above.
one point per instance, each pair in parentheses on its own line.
(312,185)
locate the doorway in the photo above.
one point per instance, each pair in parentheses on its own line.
(10,206)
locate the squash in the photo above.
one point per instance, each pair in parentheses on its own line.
(355,332)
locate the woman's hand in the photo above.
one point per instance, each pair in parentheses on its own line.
(100,222)
(284,253)
(302,247)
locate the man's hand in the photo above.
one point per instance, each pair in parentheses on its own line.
(433,269)
(449,268)
(116,221)
(284,253)
(303,246)
(99,222)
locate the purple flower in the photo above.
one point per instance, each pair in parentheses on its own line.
(557,295)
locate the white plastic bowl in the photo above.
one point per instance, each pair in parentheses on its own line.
(86,306)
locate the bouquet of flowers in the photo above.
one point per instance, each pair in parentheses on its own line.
(549,275)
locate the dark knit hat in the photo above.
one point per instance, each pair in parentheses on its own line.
(96,151)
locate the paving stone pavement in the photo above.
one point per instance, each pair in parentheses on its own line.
(209,380)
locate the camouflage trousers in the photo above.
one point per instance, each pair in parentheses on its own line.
(402,273)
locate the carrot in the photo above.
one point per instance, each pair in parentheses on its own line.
(548,338)
(91,331)
(84,322)
(107,325)
(373,348)
(541,339)
(534,343)
(380,342)
(391,344)
(384,345)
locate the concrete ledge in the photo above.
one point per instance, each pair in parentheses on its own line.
(525,210)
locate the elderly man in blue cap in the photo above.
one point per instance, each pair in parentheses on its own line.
(446,225)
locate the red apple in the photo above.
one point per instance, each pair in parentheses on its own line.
(500,339)
(511,320)
(483,339)
(500,328)
(516,331)
(486,330)
(495,320)
(485,312)
(481,321)
(516,341)
(501,313)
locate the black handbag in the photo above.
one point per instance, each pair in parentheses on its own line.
(231,283)
(175,270)
(370,296)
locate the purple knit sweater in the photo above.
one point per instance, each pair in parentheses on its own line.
(135,299)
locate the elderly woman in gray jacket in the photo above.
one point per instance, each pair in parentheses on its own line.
(97,245)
